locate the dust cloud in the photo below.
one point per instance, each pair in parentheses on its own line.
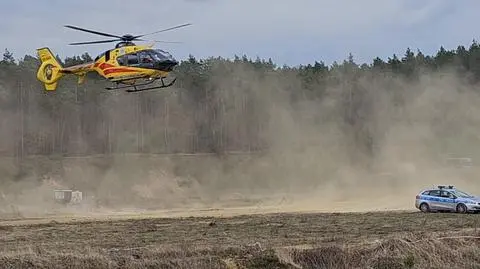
(317,156)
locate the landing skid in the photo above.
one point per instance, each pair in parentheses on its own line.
(137,89)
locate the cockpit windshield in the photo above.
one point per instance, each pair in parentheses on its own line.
(160,55)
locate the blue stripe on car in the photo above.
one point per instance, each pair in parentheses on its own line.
(438,199)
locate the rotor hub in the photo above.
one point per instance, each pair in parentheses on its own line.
(128,37)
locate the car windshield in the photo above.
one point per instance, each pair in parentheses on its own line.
(461,194)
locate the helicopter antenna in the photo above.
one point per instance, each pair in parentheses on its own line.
(124,38)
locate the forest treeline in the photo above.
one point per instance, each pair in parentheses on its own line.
(213,107)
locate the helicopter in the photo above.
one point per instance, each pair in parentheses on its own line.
(128,66)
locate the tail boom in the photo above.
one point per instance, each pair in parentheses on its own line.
(50,70)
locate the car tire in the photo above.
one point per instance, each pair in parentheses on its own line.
(461,208)
(424,208)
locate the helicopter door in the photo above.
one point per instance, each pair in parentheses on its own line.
(146,59)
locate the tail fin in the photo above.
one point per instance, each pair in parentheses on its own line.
(50,70)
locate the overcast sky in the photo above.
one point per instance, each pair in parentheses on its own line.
(289,32)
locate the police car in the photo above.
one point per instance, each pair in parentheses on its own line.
(446,198)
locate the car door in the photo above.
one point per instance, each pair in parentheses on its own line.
(447,200)
(434,200)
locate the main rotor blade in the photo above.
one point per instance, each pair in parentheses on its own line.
(91,31)
(164,30)
(170,42)
(161,41)
(95,42)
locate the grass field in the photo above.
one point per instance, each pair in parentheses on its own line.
(277,240)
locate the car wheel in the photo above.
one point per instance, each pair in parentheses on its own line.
(424,208)
(461,208)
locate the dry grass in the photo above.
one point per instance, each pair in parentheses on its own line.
(369,240)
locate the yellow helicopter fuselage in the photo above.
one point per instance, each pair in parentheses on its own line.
(124,64)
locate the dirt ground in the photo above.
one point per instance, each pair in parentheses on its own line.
(212,239)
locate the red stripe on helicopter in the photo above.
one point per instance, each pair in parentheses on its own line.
(118,70)
(105,65)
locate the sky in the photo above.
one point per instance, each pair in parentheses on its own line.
(288,32)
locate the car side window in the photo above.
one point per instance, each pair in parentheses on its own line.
(435,193)
(444,194)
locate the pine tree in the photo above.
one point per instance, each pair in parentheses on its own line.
(8,57)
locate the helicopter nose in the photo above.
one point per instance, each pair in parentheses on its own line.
(167,65)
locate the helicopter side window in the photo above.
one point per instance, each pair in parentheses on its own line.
(132,59)
(122,60)
(128,60)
